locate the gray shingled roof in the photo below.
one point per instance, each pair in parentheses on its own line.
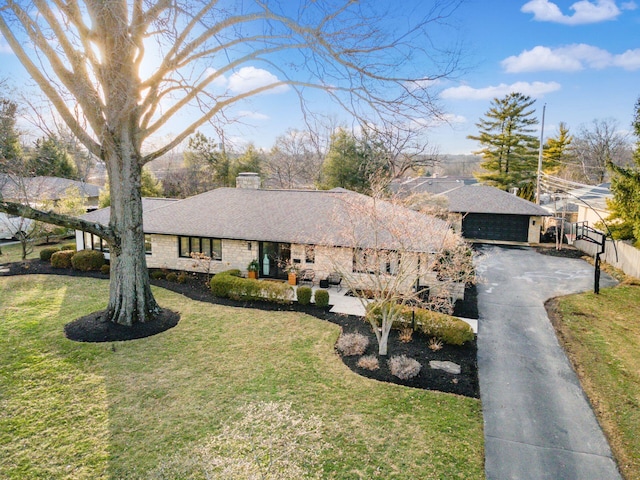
(43,188)
(486,199)
(338,218)
(102,215)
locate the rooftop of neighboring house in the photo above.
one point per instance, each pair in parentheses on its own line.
(432,185)
(33,189)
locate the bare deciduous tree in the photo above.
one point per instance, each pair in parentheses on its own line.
(400,258)
(118,71)
(594,145)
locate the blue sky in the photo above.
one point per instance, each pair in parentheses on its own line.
(581,59)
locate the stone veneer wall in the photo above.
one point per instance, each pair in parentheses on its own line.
(235,254)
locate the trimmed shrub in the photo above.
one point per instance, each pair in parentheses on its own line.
(68,246)
(45,253)
(304,295)
(234,272)
(369,362)
(352,344)
(157,275)
(105,269)
(87,260)
(182,278)
(322,298)
(227,285)
(62,259)
(404,367)
(172,276)
(450,330)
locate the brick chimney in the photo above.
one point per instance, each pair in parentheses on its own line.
(249,180)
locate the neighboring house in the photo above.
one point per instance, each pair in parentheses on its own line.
(35,191)
(324,231)
(489,214)
(432,185)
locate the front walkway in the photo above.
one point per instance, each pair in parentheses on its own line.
(348,305)
(538,422)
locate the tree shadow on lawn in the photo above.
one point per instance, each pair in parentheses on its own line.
(94,328)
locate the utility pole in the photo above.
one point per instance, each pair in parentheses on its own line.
(544,107)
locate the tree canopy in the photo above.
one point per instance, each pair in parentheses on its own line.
(625,184)
(117,72)
(509,149)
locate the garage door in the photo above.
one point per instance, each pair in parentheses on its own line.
(513,228)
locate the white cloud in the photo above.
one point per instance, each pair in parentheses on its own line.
(584,11)
(533,89)
(570,58)
(253,115)
(250,78)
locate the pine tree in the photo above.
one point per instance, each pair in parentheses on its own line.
(556,150)
(10,150)
(508,148)
(624,217)
(51,158)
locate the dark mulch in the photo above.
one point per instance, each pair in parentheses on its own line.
(96,328)
(466,383)
(566,252)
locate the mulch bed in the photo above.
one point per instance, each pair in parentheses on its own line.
(93,328)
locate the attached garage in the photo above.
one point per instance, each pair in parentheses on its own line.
(511,228)
(490,214)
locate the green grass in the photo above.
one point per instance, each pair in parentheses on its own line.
(601,334)
(171,405)
(13,252)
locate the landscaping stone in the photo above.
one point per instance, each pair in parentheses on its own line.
(447,366)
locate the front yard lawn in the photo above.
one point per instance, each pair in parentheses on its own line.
(601,334)
(228,392)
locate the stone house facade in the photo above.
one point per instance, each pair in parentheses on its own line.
(323,231)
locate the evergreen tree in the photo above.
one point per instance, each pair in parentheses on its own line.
(556,151)
(509,150)
(10,150)
(204,157)
(624,217)
(51,158)
(150,186)
(352,164)
(249,161)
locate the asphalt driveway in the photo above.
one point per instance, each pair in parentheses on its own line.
(538,423)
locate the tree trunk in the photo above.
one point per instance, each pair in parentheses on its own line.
(130,297)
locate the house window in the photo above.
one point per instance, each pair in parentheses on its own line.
(211,247)
(94,242)
(310,254)
(147,244)
(375,261)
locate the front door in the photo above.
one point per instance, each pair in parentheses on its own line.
(273,259)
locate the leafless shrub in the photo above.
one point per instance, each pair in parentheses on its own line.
(369,362)
(435,344)
(404,367)
(352,344)
(405,335)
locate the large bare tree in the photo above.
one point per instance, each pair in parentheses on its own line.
(117,71)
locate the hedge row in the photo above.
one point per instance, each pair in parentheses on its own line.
(450,330)
(228,285)
(84,260)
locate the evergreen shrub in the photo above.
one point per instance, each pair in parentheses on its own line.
(45,253)
(322,298)
(62,259)
(304,295)
(87,260)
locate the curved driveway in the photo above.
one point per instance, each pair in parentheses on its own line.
(538,423)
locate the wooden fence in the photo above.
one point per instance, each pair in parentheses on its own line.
(627,258)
